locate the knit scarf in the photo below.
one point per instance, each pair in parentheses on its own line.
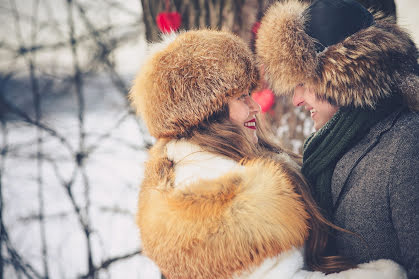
(323,149)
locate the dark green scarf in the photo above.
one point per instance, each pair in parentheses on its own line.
(324,148)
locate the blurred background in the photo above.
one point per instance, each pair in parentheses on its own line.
(72,150)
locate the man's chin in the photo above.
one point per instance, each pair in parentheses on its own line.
(317,126)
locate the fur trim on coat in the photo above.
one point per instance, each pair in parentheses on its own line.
(290,264)
(222,226)
(358,71)
(205,216)
(190,76)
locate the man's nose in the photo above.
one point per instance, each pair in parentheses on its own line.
(298,97)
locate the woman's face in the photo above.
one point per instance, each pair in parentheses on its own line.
(242,111)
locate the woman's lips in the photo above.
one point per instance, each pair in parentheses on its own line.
(251,124)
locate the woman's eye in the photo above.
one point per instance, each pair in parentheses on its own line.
(243,96)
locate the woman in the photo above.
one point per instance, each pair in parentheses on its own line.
(218,200)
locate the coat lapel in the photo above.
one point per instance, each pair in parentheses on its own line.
(350,160)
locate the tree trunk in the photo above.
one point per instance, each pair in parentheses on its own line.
(237,16)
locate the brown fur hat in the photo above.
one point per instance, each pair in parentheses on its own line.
(190,77)
(358,71)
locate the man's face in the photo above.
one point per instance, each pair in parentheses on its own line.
(321,111)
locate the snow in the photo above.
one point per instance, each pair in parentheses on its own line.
(114,170)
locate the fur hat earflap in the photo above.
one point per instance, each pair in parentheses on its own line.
(348,66)
(189,78)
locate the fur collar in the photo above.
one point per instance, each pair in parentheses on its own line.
(191,163)
(359,71)
(219,226)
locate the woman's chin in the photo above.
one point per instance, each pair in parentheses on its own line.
(253,137)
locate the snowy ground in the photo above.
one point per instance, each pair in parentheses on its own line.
(114,170)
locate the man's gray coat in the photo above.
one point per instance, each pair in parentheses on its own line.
(375,189)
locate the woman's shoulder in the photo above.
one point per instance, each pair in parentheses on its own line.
(251,211)
(192,163)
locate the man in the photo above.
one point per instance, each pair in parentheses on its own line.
(357,74)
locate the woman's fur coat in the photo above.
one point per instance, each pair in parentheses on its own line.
(202,215)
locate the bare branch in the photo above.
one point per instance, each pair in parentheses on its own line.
(2,170)
(17,260)
(105,264)
(26,118)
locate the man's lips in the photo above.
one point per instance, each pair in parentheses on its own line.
(312,111)
(251,124)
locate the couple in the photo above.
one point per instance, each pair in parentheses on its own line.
(219,199)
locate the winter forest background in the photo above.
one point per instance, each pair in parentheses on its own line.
(71,149)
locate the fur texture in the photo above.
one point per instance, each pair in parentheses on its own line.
(189,79)
(358,71)
(219,227)
(193,164)
(241,221)
(382,269)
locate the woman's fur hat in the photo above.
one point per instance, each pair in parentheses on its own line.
(188,78)
(369,64)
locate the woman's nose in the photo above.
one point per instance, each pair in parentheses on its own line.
(253,106)
(298,97)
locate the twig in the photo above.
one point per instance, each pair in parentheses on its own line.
(105,264)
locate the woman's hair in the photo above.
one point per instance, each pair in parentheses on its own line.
(218,134)
(316,250)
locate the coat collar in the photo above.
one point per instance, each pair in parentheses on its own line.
(351,159)
(193,163)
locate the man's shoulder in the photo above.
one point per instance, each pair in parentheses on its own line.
(407,117)
(395,136)
(406,126)
(399,124)
(401,138)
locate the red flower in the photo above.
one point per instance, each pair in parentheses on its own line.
(255,27)
(265,98)
(168,21)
